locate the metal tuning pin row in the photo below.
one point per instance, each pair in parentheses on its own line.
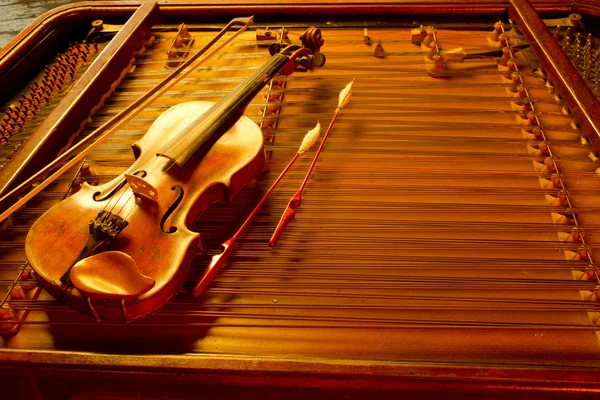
(54,78)
(584,52)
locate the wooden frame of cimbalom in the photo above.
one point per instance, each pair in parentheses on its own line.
(32,373)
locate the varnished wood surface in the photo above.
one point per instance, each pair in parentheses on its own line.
(402,139)
(271,283)
(17,14)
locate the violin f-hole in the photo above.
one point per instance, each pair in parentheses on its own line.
(179,193)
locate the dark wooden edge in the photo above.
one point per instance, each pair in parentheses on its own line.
(309,372)
(84,96)
(569,84)
(347,374)
(46,24)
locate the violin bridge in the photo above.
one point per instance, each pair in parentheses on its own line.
(142,188)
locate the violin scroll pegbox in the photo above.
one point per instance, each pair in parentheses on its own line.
(305,57)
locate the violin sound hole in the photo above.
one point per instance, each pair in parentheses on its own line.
(179,191)
(110,194)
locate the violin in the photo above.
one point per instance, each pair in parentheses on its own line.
(122,250)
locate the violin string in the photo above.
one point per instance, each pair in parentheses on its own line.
(145,163)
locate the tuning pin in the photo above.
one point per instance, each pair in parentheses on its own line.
(556,32)
(576,56)
(568,33)
(73,49)
(24,102)
(587,69)
(588,42)
(566,45)
(566,42)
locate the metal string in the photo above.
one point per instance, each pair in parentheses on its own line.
(266,278)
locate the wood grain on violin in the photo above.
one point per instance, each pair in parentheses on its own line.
(447,236)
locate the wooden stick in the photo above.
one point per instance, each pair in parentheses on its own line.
(109,127)
(218,260)
(296,200)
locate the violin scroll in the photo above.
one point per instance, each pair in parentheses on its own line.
(308,56)
(312,39)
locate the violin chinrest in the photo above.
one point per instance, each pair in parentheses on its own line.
(111,275)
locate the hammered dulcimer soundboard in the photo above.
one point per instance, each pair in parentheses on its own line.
(447,237)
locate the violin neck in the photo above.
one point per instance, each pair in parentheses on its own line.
(207,129)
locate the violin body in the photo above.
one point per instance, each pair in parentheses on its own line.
(157,239)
